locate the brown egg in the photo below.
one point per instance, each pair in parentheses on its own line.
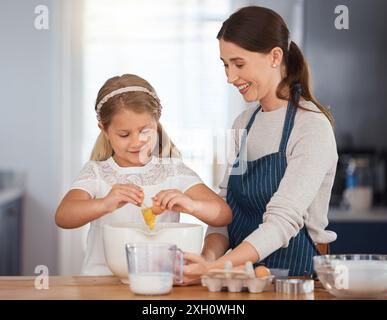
(261,272)
(156,209)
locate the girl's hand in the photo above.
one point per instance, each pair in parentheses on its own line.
(174,200)
(195,266)
(122,194)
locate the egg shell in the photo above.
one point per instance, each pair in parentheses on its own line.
(156,209)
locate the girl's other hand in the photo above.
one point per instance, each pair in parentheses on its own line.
(122,194)
(174,200)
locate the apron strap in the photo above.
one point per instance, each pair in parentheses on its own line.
(252,118)
(246,131)
(289,119)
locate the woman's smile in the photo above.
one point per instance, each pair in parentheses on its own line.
(243,88)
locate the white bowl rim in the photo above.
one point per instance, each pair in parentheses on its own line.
(138,225)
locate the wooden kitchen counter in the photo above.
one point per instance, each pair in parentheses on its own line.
(109,287)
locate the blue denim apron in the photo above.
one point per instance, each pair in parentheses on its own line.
(250,187)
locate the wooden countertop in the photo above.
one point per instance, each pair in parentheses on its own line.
(110,288)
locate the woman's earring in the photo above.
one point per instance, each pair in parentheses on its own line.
(274,65)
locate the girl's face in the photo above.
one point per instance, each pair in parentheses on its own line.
(132,136)
(252,73)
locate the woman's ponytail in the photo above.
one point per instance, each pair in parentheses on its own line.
(298,80)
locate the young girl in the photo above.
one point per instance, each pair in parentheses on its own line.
(133,162)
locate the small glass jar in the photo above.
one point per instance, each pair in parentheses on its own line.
(359,173)
(359,185)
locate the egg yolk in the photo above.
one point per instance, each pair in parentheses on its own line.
(149,217)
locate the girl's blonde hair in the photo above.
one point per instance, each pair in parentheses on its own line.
(136,101)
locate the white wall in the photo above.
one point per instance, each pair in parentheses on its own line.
(29,125)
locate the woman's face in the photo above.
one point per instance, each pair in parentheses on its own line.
(132,136)
(252,73)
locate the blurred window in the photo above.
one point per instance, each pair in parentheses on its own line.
(172,44)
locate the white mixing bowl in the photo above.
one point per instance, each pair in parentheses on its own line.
(353,275)
(186,236)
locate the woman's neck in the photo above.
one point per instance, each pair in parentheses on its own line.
(271,102)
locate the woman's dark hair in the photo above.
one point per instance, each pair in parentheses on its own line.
(260,30)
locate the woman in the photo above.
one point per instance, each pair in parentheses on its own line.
(280,184)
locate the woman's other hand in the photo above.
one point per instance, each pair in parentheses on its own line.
(195,266)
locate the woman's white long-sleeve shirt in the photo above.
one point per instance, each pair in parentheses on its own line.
(303,195)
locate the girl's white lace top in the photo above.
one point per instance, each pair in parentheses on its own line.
(97,179)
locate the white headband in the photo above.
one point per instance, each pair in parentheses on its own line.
(123,90)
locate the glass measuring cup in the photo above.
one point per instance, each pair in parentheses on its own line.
(153,267)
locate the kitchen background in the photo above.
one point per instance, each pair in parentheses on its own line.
(49,79)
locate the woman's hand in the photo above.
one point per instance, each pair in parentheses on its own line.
(174,200)
(122,194)
(195,266)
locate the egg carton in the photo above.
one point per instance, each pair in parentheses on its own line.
(235,281)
